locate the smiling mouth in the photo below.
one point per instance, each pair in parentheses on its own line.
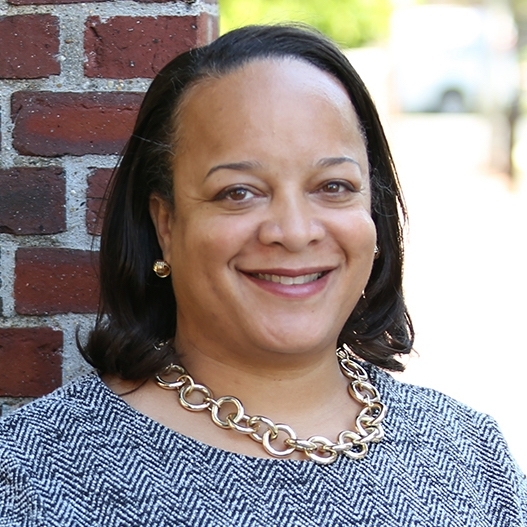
(290,280)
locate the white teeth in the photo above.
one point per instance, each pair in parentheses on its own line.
(289,280)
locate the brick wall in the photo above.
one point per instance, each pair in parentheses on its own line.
(72,75)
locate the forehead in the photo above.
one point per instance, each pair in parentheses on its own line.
(266,80)
(279,75)
(269,110)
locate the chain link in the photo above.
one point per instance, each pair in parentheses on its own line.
(353,444)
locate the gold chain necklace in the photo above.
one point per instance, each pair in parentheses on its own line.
(353,444)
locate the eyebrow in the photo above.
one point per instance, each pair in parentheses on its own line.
(239,167)
(242,166)
(332,161)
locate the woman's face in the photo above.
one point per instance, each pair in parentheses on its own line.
(271,239)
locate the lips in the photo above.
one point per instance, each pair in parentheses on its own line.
(293,284)
(289,280)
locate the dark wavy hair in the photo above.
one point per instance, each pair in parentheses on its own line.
(137,310)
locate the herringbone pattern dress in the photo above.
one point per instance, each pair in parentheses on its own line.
(82,457)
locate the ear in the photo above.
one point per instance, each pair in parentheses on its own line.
(162,214)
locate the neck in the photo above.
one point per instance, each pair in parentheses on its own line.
(303,390)
(311,399)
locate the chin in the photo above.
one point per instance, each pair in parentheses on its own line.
(297,343)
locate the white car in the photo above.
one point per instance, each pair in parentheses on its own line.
(449,58)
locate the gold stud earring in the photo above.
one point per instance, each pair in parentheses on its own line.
(376,252)
(162,268)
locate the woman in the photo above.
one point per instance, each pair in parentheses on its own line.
(259,187)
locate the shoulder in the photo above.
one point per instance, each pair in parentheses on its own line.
(84,389)
(71,410)
(37,444)
(435,426)
(425,409)
(450,442)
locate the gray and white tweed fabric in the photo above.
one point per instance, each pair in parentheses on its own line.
(82,457)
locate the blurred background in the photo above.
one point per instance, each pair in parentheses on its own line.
(450,83)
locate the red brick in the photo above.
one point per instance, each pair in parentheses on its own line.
(33,201)
(208,29)
(125,47)
(29,46)
(97,183)
(54,124)
(30,361)
(50,281)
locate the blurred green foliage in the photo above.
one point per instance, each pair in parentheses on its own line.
(351,23)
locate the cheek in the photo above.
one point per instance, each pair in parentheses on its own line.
(207,242)
(356,232)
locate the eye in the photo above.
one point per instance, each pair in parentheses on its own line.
(337,188)
(236,194)
(333,187)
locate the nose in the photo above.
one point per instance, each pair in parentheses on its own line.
(292,223)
